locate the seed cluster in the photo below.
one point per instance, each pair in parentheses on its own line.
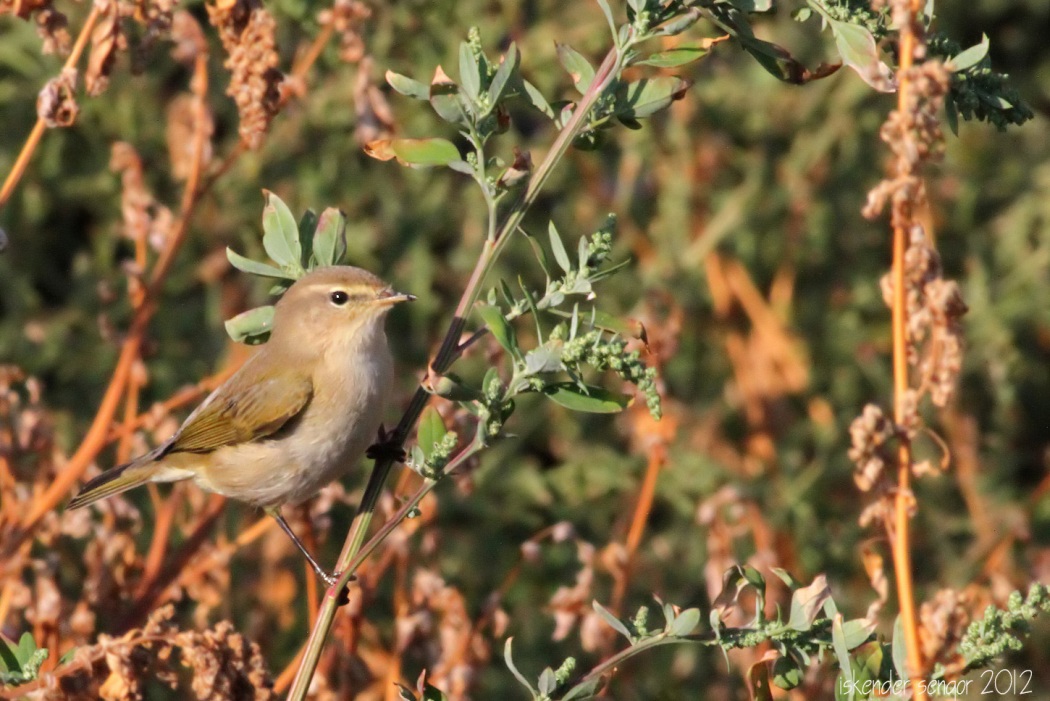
(247,30)
(593,349)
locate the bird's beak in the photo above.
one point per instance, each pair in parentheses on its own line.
(388,298)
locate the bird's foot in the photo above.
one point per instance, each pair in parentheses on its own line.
(387,447)
(343,597)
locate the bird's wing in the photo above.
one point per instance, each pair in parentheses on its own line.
(242,410)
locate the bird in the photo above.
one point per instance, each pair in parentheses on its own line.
(299,412)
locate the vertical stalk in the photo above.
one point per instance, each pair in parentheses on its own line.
(900,533)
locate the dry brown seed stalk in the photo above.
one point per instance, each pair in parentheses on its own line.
(246,30)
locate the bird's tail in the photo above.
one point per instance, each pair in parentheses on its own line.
(119,479)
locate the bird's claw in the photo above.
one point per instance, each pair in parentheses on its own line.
(343,597)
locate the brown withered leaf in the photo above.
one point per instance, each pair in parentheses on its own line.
(107,40)
(56,104)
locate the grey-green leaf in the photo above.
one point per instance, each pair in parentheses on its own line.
(500,328)
(330,237)
(547,682)
(583,690)
(672,58)
(544,359)
(859,51)
(503,75)
(468,72)
(970,57)
(251,327)
(281,234)
(558,248)
(509,659)
(597,400)
(256,268)
(537,99)
(579,68)
(612,620)
(431,431)
(647,96)
(685,623)
(307,229)
(407,86)
(425,152)
(807,602)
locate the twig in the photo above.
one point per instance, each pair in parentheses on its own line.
(33,140)
(150,598)
(642,508)
(900,533)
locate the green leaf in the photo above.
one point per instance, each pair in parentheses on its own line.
(330,237)
(970,57)
(838,640)
(547,683)
(614,622)
(307,228)
(607,11)
(468,72)
(672,58)
(504,73)
(431,431)
(256,268)
(857,631)
(444,98)
(544,359)
(579,68)
(251,327)
(432,693)
(583,690)
(785,577)
(450,386)
(786,673)
(644,97)
(597,400)
(807,602)
(900,649)
(500,328)
(537,99)
(753,5)
(425,152)
(509,659)
(407,86)
(8,660)
(951,113)
(560,254)
(859,51)
(685,623)
(280,234)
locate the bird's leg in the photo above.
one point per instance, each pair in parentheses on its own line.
(386,447)
(329,579)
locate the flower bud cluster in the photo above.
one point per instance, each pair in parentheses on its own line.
(593,349)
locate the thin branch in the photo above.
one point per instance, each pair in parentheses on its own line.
(37,133)
(900,533)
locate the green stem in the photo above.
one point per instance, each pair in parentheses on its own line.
(449,351)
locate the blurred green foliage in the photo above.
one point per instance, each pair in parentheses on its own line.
(770,174)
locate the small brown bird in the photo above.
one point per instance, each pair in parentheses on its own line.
(296,415)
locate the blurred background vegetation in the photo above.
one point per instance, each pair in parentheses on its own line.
(753,272)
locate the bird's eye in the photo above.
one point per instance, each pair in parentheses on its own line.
(339,298)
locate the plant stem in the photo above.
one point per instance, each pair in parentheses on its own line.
(900,535)
(450,350)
